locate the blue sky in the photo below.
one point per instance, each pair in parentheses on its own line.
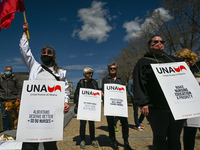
(84,33)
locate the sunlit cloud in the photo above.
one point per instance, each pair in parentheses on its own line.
(134,28)
(95,24)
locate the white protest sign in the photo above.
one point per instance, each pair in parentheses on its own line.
(180,89)
(10,145)
(194,122)
(41,111)
(115,100)
(89,105)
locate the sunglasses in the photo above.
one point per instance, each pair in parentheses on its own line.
(157,41)
(89,73)
(112,68)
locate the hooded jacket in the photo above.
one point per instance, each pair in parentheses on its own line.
(147,90)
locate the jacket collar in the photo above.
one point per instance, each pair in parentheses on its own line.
(11,77)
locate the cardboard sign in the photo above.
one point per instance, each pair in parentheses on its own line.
(180,89)
(115,100)
(41,111)
(89,105)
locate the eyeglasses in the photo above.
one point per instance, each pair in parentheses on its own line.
(157,41)
(89,73)
(113,68)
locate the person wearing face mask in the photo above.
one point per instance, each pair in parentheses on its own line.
(10,90)
(48,70)
(149,96)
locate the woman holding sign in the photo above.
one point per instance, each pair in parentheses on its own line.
(190,58)
(150,97)
(90,83)
(113,78)
(47,71)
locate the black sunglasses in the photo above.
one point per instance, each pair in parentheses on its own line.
(112,68)
(89,73)
(157,41)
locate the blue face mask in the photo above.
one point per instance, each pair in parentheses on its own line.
(8,73)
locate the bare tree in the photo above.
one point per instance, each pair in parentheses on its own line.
(182,31)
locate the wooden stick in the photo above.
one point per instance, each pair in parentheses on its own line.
(27,32)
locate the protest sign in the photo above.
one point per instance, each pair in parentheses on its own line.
(41,111)
(115,100)
(10,145)
(194,122)
(180,89)
(89,105)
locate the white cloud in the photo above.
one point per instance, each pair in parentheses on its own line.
(133,28)
(76,67)
(72,56)
(95,25)
(89,54)
(64,19)
(16,63)
(97,68)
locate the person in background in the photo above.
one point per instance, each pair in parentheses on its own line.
(113,78)
(149,96)
(10,90)
(138,122)
(49,70)
(90,83)
(190,58)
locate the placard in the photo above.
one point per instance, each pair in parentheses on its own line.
(193,122)
(180,89)
(41,111)
(115,100)
(89,105)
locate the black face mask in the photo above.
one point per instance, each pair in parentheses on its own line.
(46,59)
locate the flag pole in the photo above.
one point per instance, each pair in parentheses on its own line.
(27,32)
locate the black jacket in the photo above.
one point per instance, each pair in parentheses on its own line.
(9,89)
(108,79)
(147,90)
(82,84)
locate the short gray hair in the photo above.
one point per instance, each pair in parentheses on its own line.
(87,69)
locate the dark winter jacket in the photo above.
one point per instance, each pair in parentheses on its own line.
(147,90)
(108,79)
(10,89)
(83,84)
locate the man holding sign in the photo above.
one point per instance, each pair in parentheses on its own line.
(150,97)
(112,78)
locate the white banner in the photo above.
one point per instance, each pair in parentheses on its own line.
(115,100)
(41,111)
(180,89)
(194,122)
(89,105)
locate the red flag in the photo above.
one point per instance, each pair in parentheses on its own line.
(7,11)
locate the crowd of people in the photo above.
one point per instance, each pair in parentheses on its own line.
(143,87)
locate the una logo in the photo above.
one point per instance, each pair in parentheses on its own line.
(115,88)
(90,93)
(164,70)
(42,88)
